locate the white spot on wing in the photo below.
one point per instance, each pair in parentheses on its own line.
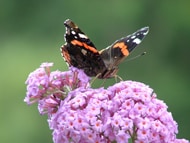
(132,37)
(73,32)
(83,36)
(145,33)
(137,41)
(145,29)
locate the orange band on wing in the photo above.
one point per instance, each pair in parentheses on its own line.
(123,48)
(76,42)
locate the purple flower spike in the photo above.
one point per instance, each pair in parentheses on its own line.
(49,88)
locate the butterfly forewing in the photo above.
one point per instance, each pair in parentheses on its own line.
(80,52)
(120,49)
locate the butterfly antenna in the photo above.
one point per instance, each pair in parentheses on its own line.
(142,54)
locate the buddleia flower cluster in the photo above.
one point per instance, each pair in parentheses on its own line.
(127,111)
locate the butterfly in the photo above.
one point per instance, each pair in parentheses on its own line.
(80,52)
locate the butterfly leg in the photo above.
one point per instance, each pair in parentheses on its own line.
(95,78)
(118,77)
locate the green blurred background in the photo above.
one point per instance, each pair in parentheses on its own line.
(31,32)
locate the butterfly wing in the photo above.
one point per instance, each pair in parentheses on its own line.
(120,49)
(80,52)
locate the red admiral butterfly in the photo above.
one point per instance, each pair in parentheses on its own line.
(81,53)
